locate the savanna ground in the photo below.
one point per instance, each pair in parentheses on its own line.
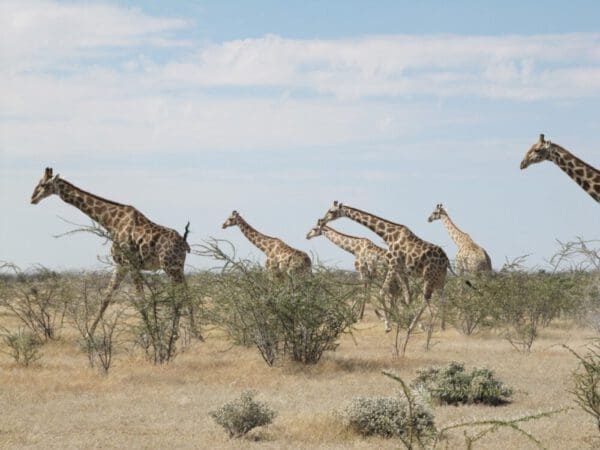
(60,402)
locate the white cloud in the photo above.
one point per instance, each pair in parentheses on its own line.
(39,33)
(73,79)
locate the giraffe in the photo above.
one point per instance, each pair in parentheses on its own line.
(406,253)
(369,260)
(587,177)
(471,258)
(137,242)
(281,258)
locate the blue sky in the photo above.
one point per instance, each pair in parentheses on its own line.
(188,110)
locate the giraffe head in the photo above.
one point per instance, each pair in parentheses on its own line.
(47,186)
(335,212)
(232,220)
(540,151)
(317,230)
(437,213)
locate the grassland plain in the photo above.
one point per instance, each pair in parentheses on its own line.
(61,403)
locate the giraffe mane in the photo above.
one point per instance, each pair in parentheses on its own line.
(375,216)
(92,195)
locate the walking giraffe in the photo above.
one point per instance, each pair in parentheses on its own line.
(586,176)
(281,258)
(137,242)
(470,258)
(369,261)
(406,252)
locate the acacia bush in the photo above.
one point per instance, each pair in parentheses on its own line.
(97,339)
(522,302)
(469,309)
(586,381)
(452,385)
(242,415)
(299,317)
(37,297)
(23,346)
(159,309)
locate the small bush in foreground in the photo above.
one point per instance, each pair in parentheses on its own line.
(452,385)
(388,417)
(24,346)
(240,416)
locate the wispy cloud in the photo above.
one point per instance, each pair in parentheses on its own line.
(61,93)
(41,34)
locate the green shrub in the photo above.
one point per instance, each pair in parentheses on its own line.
(24,346)
(300,317)
(452,385)
(38,298)
(468,309)
(586,381)
(388,417)
(240,416)
(160,309)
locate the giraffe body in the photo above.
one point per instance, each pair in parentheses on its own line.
(138,243)
(471,257)
(586,176)
(149,246)
(281,258)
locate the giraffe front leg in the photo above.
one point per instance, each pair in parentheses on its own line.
(362,270)
(118,274)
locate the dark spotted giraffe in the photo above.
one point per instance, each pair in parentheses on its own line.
(281,258)
(406,253)
(586,176)
(138,243)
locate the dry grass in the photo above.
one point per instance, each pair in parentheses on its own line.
(61,403)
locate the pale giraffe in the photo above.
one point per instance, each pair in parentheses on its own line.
(470,258)
(137,242)
(586,176)
(281,258)
(370,261)
(407,253)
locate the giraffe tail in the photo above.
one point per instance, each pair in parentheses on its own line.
(185,235)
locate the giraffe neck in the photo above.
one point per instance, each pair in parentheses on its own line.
(261,241)
(459,237)
(101,210)
(586,176)
(388,231)
(349,243)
